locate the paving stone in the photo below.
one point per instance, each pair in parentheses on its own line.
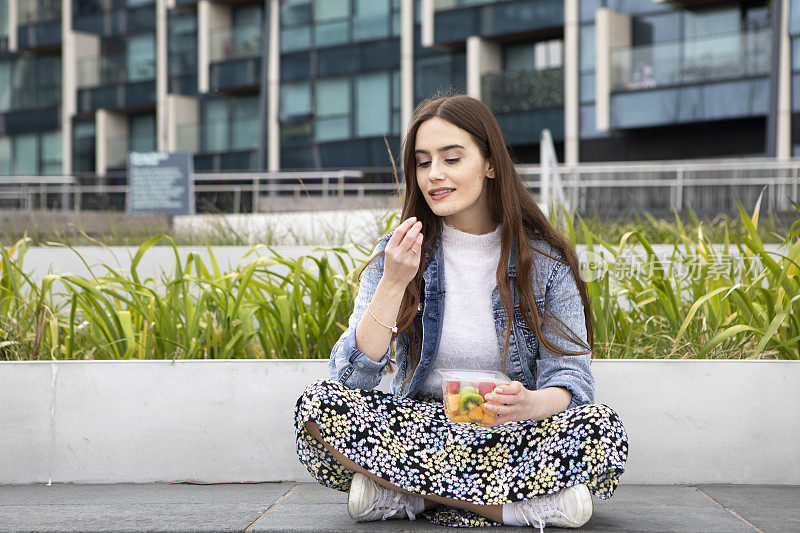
(639,508)
(768,507)
(135,507)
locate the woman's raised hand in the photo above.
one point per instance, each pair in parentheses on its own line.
(402,253)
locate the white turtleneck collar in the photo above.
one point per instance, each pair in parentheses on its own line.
(470,243)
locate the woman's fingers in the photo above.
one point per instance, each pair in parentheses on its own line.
(401,231)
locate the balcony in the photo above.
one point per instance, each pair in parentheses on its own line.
(525,102)
(32,109)
(39,24)
(523,90)
(235,58)
(720,77)
(715,58)
(111,82)
(508,17)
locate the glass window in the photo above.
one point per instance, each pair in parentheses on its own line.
(215,127)
(519,57)
(141,57)
(656,29)
(295,99)
(794,17)
(700,23)
(587,47)
(51,153)
(587,87)
(26,155)
(296,38)
(331,9)
(549,54)
(142,133)
(371,19)
(396,96)
(247,22)
(5,81)
(588,9)
(373,104)
(795,60)
(331,33)
(245,124)
(5,155)
(332,106)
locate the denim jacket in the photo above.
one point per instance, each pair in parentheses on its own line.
(528,361)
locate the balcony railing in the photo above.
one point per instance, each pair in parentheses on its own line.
(230,43)
(523,90)
(109,70)
(717,57)
(33,11)
(34,97)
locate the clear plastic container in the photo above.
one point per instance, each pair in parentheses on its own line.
(464,394)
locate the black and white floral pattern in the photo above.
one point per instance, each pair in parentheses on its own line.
(412,444)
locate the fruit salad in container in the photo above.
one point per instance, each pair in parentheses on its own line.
(464,394)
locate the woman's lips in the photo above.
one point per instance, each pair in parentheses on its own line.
(440,196)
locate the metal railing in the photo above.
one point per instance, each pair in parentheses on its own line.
(708,187)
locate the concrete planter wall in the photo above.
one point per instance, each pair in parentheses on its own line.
(231,420)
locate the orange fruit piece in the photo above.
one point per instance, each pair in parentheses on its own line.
(476,413)
(452,402)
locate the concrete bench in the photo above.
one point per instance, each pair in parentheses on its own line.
(688,421)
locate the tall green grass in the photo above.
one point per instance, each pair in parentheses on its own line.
(707,309)
(268,306)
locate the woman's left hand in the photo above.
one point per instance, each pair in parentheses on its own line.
(515,402)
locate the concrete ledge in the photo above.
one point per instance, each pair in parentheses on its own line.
(688,421)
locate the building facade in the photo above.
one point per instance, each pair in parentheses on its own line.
(330,84)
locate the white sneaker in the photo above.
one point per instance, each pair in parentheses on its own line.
(569,507)
(369,501)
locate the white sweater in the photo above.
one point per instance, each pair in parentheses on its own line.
(469,340)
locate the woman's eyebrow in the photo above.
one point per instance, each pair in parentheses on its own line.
(442,149)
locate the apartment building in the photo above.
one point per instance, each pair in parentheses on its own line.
(328,84)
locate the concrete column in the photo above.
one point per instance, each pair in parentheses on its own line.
(571,81)
(482,56)
(427,8)
(274,87)
(210,17)
(162,76)
(406,64)
(68,86)
(783,135)
(111,127)
(612,30)
(182,117)
(13,22)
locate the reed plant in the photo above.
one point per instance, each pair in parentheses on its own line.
(267,306)
(737,299)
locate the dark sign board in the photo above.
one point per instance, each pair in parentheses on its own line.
(160,182)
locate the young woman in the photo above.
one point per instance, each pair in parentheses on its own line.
(475,277)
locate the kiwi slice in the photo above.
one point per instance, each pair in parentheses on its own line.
(466,389)
(468,401)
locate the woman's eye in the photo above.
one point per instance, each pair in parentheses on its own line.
(423,163)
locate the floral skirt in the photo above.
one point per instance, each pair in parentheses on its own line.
(412,444)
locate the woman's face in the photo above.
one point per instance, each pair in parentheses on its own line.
(447,157)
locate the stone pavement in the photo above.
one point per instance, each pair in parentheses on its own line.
(288,507)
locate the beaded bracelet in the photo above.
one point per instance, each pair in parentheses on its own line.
(393,328)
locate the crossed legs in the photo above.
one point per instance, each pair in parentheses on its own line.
(492,512)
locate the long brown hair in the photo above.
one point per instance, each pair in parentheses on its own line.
(510,203)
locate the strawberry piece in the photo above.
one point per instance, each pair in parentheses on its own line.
(453,386)
(485,387)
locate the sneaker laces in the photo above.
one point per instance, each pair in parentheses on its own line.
(539,510)
(391,502)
